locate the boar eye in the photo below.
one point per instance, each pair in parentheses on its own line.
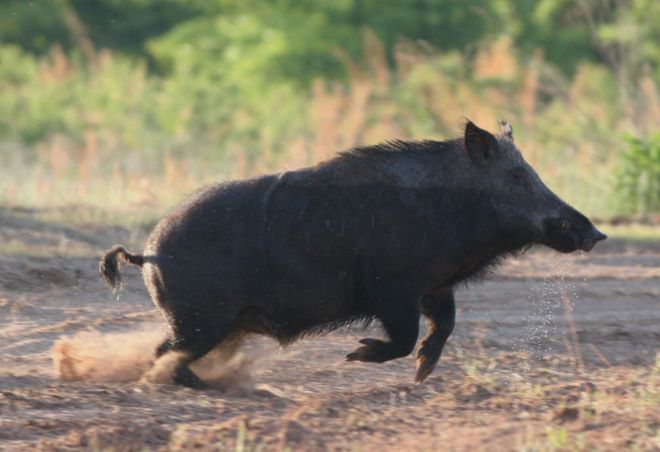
(564,225)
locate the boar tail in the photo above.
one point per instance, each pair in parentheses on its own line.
(109,265)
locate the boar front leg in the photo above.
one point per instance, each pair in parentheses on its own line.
(439,308)
(400,318)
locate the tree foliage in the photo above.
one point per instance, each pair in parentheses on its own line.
(299,40)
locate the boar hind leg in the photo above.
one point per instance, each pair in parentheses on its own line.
(194,344)
(164,347)
(401,323)
(440,310)
(192,351)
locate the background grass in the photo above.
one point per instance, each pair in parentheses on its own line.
(223,89)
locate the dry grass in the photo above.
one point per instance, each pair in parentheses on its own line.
(566,128)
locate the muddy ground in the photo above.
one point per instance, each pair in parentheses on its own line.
(549,353)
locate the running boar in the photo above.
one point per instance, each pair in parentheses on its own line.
(381,232)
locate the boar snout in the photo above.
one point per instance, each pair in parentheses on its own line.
(594,237)
(571,232)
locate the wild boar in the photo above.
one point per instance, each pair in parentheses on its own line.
(380,232)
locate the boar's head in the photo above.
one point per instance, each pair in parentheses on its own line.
(526,209)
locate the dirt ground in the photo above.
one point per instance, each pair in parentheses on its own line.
(552,352)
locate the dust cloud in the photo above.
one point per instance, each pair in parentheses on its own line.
(129,356)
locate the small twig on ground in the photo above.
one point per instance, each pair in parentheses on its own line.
(600,354)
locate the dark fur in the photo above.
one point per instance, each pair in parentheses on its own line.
(382,232)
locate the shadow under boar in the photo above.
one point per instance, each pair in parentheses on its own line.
(381,232)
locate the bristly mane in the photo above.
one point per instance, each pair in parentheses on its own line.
(394,147)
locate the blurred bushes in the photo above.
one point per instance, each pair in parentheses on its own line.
(206,90)
(120,25)
(639,175)
(570,32)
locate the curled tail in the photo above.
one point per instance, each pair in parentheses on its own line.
(109,265)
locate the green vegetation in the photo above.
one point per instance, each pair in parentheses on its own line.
(135,103)
(639,175)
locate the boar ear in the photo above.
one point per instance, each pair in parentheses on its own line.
(480,144)
(506,130)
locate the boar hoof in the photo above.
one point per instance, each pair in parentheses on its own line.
(185,377)
(424,369)
(427,358)
(374,350)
